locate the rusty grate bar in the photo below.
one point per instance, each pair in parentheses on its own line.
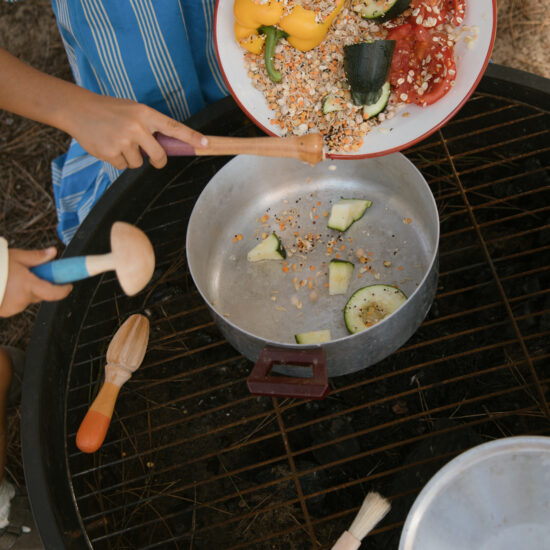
(150,384)
(213,505)
(193,460)
(489,256)
(416,392)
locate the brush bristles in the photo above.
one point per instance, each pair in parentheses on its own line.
(373,509)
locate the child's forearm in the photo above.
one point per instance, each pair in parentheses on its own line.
(111,129)
(36,95)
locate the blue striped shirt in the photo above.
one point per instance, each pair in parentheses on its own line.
(157,52)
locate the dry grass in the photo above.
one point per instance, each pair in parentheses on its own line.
(27,213)
(523,35)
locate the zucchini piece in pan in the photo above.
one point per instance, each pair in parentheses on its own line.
(313,337)
(270,248)
(347,211)
(339,276)
(370,304)
(381,10)
(367,66)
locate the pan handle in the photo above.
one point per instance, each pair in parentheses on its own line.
(260,382)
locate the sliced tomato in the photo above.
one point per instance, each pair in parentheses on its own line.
(426,10)
(438,89)
(423,68)
(459,7)
(438,11)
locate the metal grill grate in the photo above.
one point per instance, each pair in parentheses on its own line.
(193,460)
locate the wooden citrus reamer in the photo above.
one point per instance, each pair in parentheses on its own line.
(132,258)
(124,356)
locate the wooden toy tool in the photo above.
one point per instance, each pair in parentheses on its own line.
(308,148)
(132,258)
(372,511)
(124,356)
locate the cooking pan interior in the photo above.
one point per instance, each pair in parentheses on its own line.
(253,196)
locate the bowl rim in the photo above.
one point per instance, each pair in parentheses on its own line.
(340,156)
(458,466)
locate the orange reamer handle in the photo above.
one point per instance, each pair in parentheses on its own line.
(93,429)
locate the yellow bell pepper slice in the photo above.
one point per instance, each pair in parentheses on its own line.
(305,32)
(252,14)
(249,16)
(249,40)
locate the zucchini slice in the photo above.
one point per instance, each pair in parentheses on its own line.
(331,104)
(376,108)
(381,10)
(270,248)
(347,211)
(367,66)
(339,276)
(370,304)
(313,337)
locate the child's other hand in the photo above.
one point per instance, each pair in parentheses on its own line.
(23,287)
(115,130)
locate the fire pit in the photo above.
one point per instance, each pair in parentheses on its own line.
(192,460)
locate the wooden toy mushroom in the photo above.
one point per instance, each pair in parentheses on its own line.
(124,356)
(132,258)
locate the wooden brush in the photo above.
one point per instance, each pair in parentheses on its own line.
(124,356)
(373,509)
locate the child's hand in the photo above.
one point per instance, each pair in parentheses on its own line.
(23,287)
(108,128)
(115,130)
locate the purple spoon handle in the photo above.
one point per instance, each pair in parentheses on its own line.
(175,147)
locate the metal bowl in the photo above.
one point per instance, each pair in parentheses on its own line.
(496,496)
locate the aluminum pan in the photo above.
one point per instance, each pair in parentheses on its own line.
(240,294)
(234,202)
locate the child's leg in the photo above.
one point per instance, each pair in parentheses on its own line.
(5,383)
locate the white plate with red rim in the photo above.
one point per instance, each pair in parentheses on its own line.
(471,54)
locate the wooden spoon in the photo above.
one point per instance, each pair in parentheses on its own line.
(124,356)
(132,257)
(308,148)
